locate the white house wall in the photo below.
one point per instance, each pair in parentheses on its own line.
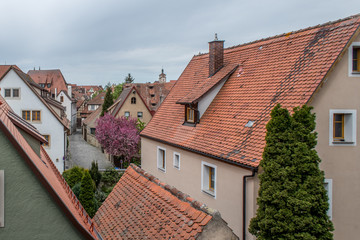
(49,124)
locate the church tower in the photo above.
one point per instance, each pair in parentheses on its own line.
(162,77)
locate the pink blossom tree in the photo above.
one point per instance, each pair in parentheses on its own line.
(118,136)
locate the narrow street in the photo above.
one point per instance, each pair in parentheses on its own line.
(82,153)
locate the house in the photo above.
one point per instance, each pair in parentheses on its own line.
(54,81)
(35,200)
(142,207)
(208,136)
(89,127)
(92,105)
(24,98)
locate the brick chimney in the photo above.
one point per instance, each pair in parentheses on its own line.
(216,55)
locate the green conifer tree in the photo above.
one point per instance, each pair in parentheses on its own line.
(108,101)
(129,79)
(87,194)
(292,200)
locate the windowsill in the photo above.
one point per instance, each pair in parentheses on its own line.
(356,73)
(342,142)
(162,169)
(189,124)
(208,192)
(176,167)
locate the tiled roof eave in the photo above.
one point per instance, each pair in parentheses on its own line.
(243,165)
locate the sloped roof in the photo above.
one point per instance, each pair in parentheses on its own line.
(142,207)
(284,69)
(53,76)
(5,68)
(120,101)
(46,171)
(27,80)
(94,115)
(98,100)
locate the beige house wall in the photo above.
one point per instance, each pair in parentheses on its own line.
(229,181)
(135,108)
(341,163)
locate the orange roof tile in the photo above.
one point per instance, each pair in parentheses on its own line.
(284,69)
(46,171)
(54,77)
(140,207)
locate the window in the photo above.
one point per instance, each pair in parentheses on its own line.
(47,137)
(92,131)
(2,198)
(356,59)
(177,160)
(42,85)
(92,107)
(127,114)
(140,114)
(26,115)
(152,95)
(208,178)
(133,100)
(189,114)
(342,127)
(36,116)
(328,188)
(161,159)
(49,85)
(15,92)
(12,92)
(7,92)
(61,98)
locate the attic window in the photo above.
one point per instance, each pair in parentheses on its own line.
(191,114)
(153,104)
(49,85)
(152,95)
(151,87)
(249,123)
(133,100)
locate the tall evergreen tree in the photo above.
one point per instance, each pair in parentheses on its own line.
(292,200)
(87,194)
(108,101)
(129,79)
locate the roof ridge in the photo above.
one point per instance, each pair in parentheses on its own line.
(175,192)
(288,33)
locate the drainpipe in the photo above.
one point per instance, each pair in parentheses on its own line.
(244,201)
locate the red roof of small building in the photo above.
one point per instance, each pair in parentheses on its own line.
(98,100)
(46,171)
(142,207)
(4,69)
(53,76)
(286,69)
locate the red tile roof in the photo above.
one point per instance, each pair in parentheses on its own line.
(98,100)
(142,207)
(46,171)
(54,77)
(284,69)
(5,68)
(94,115)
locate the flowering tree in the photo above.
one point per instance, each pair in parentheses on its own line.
(118,136)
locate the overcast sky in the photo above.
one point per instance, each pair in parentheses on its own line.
(96,42)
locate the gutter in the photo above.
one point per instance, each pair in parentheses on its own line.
(244,202)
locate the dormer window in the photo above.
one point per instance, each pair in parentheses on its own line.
(189,114)
(49,85)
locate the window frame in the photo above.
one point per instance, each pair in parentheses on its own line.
(349,125)
(188,111)
(11,93)
(32,116)
(61,99)
(133,100)
(91,131)
(206,178)
(174,160)
(126,113)
(328,187)
(18,92)
(7,90)
(161,165)
(28,114)
(48,138)
(141,114)
(352,73)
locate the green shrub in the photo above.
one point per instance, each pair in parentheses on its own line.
(94,173)
(73,175)
(87,195)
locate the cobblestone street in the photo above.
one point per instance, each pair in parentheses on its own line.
(82,153)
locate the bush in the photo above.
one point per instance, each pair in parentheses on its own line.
(76,189)
(110,176)
(73,175)
(94,173)
(87,195)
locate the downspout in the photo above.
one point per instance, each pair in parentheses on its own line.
(244,201)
